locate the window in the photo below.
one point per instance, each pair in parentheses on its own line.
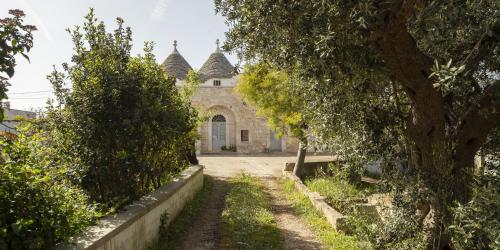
(218,118)
(244,135)
(216,82)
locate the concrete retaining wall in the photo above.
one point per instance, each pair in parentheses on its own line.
(335,218)
(139,223)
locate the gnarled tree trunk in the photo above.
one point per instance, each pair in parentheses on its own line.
(442,150)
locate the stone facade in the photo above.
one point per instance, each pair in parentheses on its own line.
(232,123)
(223,100)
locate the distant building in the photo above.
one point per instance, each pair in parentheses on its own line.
(233,124)
(10,120)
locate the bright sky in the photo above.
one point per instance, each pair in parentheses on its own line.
(192,23)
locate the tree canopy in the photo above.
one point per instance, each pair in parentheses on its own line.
(15,38)
(272,93)
(416,81)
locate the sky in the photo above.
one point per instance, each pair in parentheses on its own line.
(193,23)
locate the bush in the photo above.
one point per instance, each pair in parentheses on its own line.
(124,116)
(476,224)
(40,207)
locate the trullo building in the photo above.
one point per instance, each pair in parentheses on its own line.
(233,125)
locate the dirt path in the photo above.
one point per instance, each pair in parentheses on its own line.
(205,230)
(294,230)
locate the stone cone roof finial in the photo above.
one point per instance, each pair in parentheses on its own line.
(175,47)
(176,65)
(216,66)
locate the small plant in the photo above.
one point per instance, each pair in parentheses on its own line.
(164,223)
(231,148)
(170,235)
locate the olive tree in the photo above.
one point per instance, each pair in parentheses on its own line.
(436,62)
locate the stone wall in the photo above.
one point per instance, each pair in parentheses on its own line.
(139,223)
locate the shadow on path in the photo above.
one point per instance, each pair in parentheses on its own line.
(294,230)
(205,231)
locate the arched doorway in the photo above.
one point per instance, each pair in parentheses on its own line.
(218,132)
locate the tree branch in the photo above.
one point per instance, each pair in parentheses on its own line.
(482,48)
(411,68)
(475,126)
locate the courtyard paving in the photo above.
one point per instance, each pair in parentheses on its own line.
(262,165)
(205,231)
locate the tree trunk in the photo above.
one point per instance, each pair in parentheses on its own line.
(191,154)
(298,170)
(442,151)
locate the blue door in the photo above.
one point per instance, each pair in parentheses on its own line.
(275,142)
(218,132)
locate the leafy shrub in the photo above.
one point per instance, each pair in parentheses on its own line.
(40,207)
(231,148)
(476,224)
(127,122)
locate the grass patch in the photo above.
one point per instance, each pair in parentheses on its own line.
(248,220)
(340,194)
(329,237)
(170,236)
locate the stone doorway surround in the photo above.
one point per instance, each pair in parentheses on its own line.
(230,126)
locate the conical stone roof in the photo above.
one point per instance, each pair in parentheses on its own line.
(216,66)
(176,65)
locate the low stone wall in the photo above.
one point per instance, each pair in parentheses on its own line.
(139,223)
(335,218)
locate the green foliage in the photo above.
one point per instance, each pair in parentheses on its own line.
(124,118)
(340,193)
(231,148)
(190,85)
(15,38)
(40,206)
(171,236)
(413,84)
(330,238)
(476,223)
(248,220)
(401,231)
(272,93)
